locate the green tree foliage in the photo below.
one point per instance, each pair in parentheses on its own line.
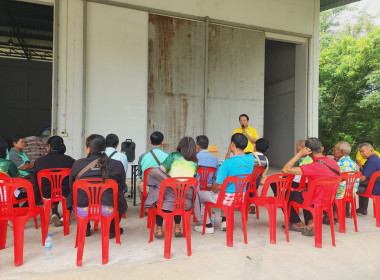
(349,79)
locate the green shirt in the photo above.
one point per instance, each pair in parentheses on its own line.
(147,160)
(9,168)
(303,161)
(19,158)
(177,166)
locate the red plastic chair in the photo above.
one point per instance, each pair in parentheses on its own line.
(283,183)
(204,173)
(94,188)
(350,178)
(55,177)
(19,216)
(240,202)
(375,198)
(301,187)
(330,186)
(4,176)
(145,194)
(253,187)
(180,186)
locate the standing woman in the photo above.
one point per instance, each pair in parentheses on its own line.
(104,168)
(55,158)
(182,163)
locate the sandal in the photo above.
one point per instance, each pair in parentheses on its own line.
(177,232)
(159,234)
(308,232)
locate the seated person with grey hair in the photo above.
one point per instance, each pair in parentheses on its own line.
(371,166)
(321,167)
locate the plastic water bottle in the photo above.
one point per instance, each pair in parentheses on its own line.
(48,247)
(213,218)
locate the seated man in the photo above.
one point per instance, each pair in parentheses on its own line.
(17,155)
(205,158)
(153,158)
(321,167)
(112,142)
(360,160)
(371,166)
(239,164)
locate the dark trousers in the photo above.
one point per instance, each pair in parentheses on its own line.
(294,218)
(159,219)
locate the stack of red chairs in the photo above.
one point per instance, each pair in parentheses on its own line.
(19,216)
(283,184)
(241,183)
(330,186)
(55,177)
(375,198)
(94,188)
(350,178)
(180,187)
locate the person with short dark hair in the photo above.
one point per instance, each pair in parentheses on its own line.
(55,158)
(18,156)
(371,165)
(248,132)
(153,158)
(7,167)
(103,168)
(321,167)
(205,158)
(239,164)
(360,161)
(112,142)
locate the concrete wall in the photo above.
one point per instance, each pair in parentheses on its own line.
(78,104)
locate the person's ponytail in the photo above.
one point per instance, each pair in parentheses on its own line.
(103,161)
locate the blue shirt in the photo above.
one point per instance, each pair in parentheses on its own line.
(237,165)
(206,159)
(371,166)
(118,156)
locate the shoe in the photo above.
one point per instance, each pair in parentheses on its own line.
(159,236)
(178,234)
(361,212)
(293,228)
(252,209)
(56,221)
(113,234)
(207,229)
(308,232)
(223,226)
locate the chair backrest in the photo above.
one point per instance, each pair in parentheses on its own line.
(241,183)
(4,176)
(180,186)
(204,173)
(146,173)
(372,182)
(94,188)
(330,187)
(55,177)
(256,173)
(283,183)
(350,178)
(7,197)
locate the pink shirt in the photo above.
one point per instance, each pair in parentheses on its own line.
(317,170)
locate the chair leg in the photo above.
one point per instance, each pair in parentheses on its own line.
(353,214)
(376,201)
(341,211)
(244,223)
(105,230)
(257,212)
(317,215)
(96,225)
(152,214)
(81,238)
(47,214)
(66,218)
(272,214)
(3,233)
(117,229)
(286,218)
(207,206)
(168,220)
(229,211)
(332,227)
(18,243)
(36,223)
(43,229)
(187,230)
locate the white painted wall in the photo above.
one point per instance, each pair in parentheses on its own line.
(117,59)
(117,70)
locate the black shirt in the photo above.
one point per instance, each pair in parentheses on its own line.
(115,170)
(53,160)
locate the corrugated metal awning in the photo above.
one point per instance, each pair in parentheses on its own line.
(329,4)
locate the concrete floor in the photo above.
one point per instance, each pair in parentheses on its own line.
(355,254)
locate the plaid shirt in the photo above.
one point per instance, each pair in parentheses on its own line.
(229,198)
(346,164)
